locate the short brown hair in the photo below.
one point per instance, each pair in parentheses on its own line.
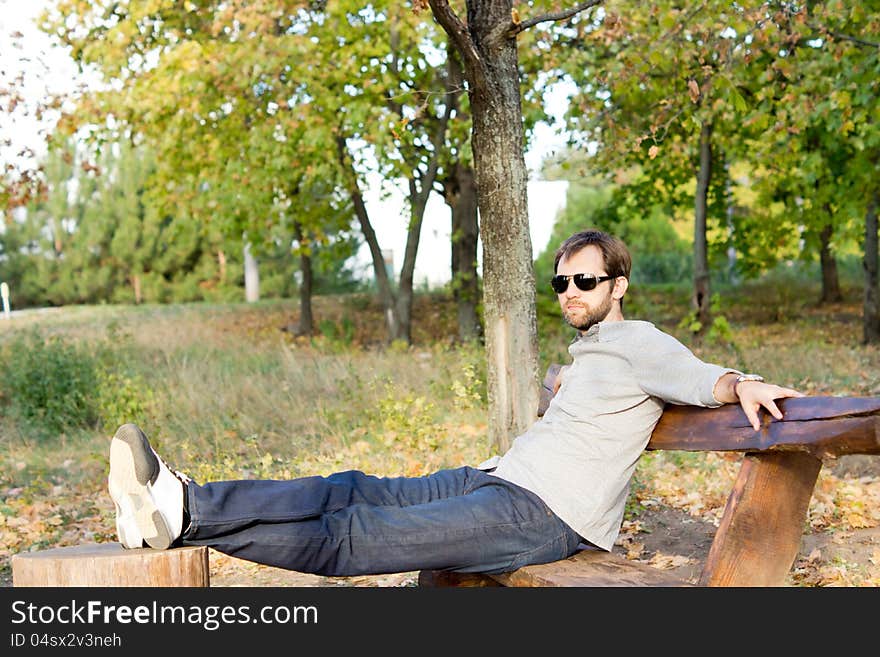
(618,261)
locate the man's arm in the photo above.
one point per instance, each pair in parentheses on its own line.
(752,395)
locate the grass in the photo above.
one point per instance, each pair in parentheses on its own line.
(224,392)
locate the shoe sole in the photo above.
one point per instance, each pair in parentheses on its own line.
(133,468)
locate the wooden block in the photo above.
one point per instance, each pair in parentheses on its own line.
(763,523)
(109,564)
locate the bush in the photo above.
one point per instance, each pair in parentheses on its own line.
(122,398)
(49,384)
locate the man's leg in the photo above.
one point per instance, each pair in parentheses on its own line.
(227,506)
(151,498)
(493,526)
(345,524)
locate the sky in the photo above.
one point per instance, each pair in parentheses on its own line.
(546,198)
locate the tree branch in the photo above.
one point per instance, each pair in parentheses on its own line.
(554,16)
(509,30)
(855,40)
(459,35)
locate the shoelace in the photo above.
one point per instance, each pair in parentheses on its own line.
(184,479)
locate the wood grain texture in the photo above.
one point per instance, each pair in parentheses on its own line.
(109,564)
(822,426)
(590,568)
(763,523)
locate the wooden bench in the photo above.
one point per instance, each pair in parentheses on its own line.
(760,531)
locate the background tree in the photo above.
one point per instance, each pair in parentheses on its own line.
(285,84)
(816,128)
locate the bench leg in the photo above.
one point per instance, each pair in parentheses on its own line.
(763,523)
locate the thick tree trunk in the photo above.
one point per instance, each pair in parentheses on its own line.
(486,42)
(306,322)
(460,192)
(508,276)
(701,300)
(830,281)
(871,312)
(251,276)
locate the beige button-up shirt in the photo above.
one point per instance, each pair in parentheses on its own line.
(579,458)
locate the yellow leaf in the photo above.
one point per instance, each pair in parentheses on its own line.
(668,561)
(858,521)
(634,550)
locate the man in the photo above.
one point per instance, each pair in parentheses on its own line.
(563,482)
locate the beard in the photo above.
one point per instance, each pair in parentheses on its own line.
(583,317)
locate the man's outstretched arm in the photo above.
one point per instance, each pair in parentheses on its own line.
(752,395)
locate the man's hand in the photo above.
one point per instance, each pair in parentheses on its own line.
(754,394)
(558,381)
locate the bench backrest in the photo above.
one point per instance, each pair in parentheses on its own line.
(821,426)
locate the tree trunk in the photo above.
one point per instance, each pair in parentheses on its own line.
(221,264)
(251,276)
(871,312)
(830,282)
(418,203)
(460,193)
(405,285)
(136,286)
(306,323)
(508,276)
(701,300)
(731,225)
(383,283)
(486,42)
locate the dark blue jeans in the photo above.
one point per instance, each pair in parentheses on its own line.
(350,523)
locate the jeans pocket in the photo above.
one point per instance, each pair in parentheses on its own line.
(552,550)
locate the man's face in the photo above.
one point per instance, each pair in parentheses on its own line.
(579,308)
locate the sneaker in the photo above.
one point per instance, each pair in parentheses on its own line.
(147,494)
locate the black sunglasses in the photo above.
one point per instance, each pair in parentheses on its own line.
(585,282)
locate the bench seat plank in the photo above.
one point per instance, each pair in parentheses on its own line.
(590,568)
